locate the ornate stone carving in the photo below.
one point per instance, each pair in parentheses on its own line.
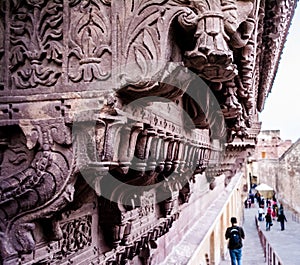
(235,155)
(219,27)
(137,153)
(142,127)
(211,47)
(89,56)
(36,43)
(36,180)
(147,43)
(144,46)
(76,239)
(77,235)
(217,23)
(148,202)
(275,18)
(134,231)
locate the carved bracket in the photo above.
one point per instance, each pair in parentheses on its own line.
(37,178)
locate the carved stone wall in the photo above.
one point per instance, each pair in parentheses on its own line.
(112,110)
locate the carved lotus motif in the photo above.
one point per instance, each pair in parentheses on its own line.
(211,57)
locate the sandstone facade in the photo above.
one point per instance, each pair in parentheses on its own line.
(122,120)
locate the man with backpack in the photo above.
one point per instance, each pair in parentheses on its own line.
(235,234)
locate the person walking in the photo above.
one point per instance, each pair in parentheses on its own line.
(281,218)
(268,219)
(274,211)
(261,213)
(280,211)
(235,234)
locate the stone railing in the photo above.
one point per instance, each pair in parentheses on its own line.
(271,256)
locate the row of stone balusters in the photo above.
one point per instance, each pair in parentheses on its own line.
(141,246)
(147,149)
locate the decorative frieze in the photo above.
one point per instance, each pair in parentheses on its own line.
(275,18)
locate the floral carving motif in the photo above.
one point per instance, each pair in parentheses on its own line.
(145,41)
(147,204)
(76,235)
(36,35)
(90,36)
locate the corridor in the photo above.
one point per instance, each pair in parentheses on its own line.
(252,250)
(285,243)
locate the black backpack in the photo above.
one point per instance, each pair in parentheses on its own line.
(235,240)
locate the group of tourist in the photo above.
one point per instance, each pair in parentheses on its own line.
(272,214)
(268,210)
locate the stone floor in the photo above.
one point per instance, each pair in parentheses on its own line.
(285,243)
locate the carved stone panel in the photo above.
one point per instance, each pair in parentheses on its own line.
(89,32)
(36,43)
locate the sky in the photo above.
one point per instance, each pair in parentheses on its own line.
(282,107)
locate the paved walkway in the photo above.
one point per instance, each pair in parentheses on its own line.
(285,243)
